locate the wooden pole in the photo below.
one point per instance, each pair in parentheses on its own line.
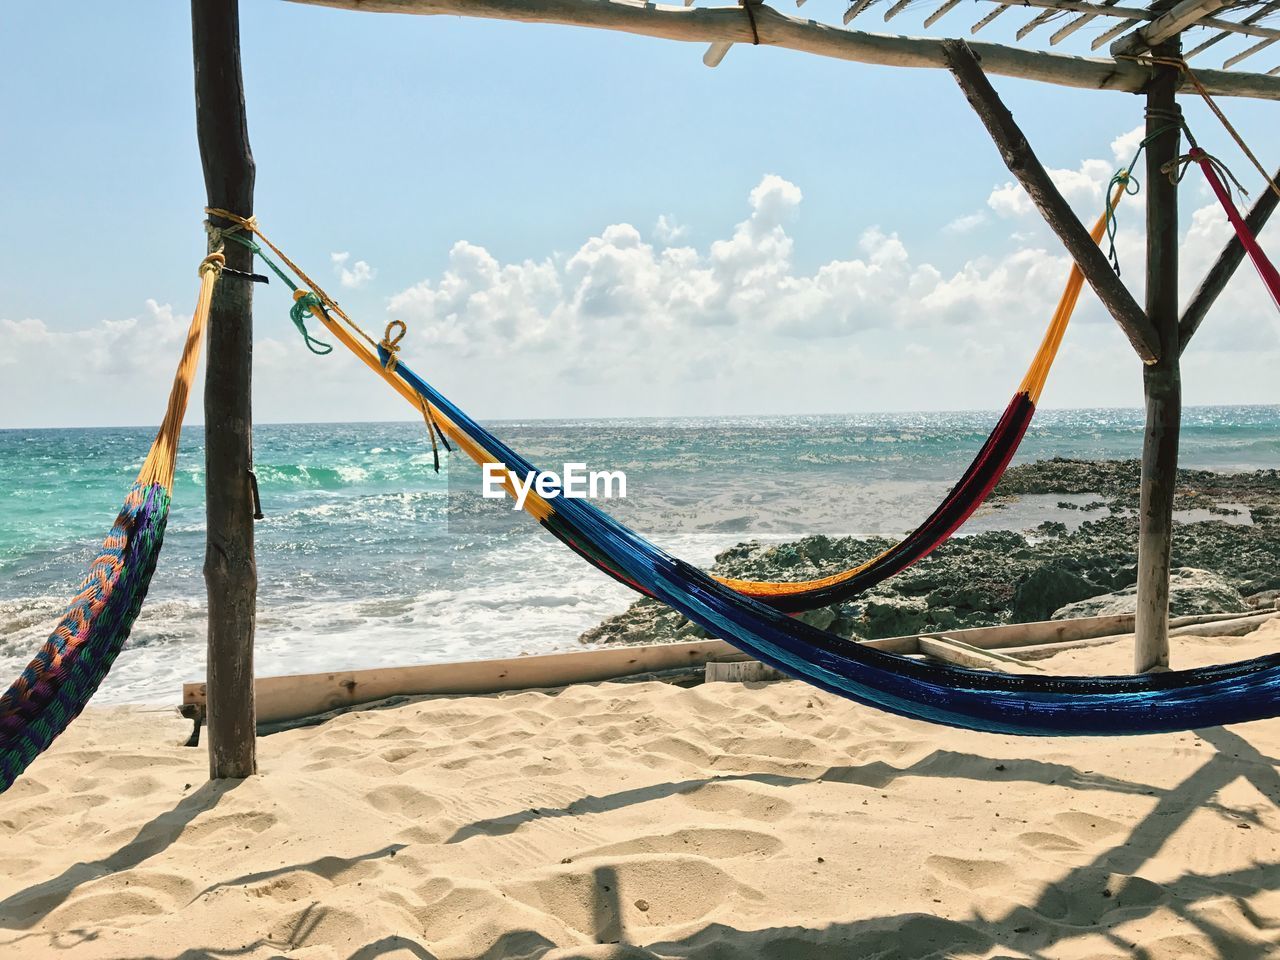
(1161,380)
(230,570)
(1215,281)
(1026,167)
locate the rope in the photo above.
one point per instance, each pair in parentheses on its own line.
(305,303)
(391,346)
(327,302)
(1217,111)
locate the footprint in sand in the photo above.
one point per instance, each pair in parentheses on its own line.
(599,898)
(970,873)
(1048,842)
(713,843)
(722,797)
(1089,826)
(402,800)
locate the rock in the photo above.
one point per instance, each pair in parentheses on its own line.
(894,617)
(1047,588)
(1000,576)
(1265,600)
(1191,591)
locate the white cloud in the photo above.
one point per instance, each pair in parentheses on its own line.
(628,325)
(359,273)
(667,231)
(966,224)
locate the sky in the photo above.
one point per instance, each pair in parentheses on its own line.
(575,223)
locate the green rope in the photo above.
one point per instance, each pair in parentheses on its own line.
(304,308)
(1124,177)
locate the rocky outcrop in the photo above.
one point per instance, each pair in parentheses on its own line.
(1191,591)
(1006,576)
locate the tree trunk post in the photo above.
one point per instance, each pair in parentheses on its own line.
(1161,380)
(230,570)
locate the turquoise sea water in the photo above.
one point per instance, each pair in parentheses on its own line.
(367,558)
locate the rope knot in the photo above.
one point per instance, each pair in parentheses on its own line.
(391,344)
(213,263)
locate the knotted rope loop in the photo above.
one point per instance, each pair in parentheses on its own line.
(213,263)
(1176,169)
(305,306)
(391,344)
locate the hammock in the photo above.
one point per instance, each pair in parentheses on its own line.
(1266,269)
(68,668)
(977,482)
(939,693)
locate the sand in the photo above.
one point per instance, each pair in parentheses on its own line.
(646,820)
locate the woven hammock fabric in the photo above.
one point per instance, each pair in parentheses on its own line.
(69,667)
(67,670)
(1266,269)
(939,693)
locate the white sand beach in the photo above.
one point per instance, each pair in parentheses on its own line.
(649,820)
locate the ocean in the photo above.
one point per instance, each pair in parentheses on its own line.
(368,558)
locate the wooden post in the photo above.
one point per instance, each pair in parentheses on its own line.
(1161,380)
(230,570)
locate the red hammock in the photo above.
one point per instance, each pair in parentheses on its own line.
(1266,269)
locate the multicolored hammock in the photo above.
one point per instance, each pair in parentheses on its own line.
(974,486)
(940,693)
(67,670)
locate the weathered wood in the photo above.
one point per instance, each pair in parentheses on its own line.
(1161,380)
(1165,26)
(730,25)
(1026,167)
(743,671)
(950,650)
(287,698)
(1215,281)
(230,570)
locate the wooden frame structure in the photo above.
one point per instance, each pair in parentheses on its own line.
(1145,54)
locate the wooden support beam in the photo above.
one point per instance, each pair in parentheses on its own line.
(1215,281)
(730,25)
(1161,381)
(1165,27)
(950,650)
(230,569)
(1023,164)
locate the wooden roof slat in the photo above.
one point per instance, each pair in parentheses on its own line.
(1243,54)
(1168,24)
(896,9)
(1106,35)
(941,12)
(1130,14)
(988,18)
(1263,11)
(1076,24)
(855,8)
(1037,20)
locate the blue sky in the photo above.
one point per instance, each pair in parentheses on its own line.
(477,169)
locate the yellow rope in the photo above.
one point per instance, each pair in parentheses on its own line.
(251,224)
(162,458)
(534,504)
(1033,383)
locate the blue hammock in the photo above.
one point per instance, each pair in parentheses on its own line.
(971,699)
